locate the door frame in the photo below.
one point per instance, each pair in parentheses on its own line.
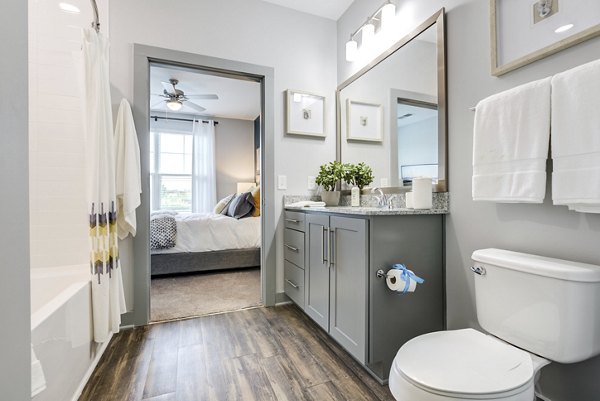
(144,56)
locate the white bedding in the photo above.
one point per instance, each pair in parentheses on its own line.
(203,232)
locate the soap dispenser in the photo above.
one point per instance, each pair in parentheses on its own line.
(355,196)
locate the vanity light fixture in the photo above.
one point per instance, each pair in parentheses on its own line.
(563,28)
(69,8)
(174,104)
(385,15)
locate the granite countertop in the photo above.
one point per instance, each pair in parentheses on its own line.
(367,211)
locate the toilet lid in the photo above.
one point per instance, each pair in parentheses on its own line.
(464,362)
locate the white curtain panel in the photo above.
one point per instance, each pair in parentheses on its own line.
(204,175)
(108,300)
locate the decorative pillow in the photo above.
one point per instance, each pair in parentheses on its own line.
(226,207)
(222,203)
(241,206)
(163,232)
(256,196)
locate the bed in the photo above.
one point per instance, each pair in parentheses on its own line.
(208,241)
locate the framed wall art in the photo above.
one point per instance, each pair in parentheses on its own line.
(305,114)
(364,121)
(524,31)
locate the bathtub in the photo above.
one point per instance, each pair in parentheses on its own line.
(61,330)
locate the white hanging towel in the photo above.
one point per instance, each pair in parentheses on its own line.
(108,301)
(128,174)
(576,138)
(510,145)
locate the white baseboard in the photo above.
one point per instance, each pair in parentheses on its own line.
(91,369)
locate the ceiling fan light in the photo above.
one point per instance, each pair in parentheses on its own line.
(174,105)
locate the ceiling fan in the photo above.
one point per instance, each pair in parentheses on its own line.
(174,98)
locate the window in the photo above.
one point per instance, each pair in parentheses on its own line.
(171,171)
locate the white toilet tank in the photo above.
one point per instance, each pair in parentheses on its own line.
(549,307)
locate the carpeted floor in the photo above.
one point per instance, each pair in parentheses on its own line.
(200,294)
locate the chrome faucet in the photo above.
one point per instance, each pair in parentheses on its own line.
(383,200)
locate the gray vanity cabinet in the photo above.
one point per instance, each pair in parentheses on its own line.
(317,269)
(335,276)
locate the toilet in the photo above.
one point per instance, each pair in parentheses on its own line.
(534,309)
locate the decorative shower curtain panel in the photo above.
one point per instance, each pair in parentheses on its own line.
(108,300)
(204,175)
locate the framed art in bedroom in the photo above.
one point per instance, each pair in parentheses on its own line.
(526,31)
(305,114)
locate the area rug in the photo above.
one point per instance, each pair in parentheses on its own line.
(199,294)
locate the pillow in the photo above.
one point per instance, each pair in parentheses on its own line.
(241,206)
(222,203)
(226,207)
(256,196)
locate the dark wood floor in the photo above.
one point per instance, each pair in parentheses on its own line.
(257,354)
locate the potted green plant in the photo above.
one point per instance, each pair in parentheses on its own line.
(359,176)
(328,177)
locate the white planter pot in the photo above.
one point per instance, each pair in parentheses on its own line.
(331,198)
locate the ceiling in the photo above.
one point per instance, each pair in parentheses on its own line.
(332,9)
(238,99)
(414,114)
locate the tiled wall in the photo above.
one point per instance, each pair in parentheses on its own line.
(56,141)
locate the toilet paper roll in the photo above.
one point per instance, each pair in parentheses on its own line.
(409,200)
(395,281)
(422,190)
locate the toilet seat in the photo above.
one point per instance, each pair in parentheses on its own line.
(464,364)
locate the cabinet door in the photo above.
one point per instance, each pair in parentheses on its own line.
(317,269)
(348,284)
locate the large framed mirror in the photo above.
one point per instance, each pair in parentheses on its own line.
(392,113)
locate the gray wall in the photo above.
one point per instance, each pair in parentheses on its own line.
(541,229)
(235,154)
(15,336)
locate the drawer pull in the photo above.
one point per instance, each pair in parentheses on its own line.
(292,221)
(291,248)
(292,284)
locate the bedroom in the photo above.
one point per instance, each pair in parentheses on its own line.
(204,150)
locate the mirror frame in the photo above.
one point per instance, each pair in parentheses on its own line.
(438,18)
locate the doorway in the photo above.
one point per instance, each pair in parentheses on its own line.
(144,58)
(204,192)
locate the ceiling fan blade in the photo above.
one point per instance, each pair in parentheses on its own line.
(168,87)
(195,106)
(206,96)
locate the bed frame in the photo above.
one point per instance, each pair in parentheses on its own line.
(191,262)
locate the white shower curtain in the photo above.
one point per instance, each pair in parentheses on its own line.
(204,180)
(108,301)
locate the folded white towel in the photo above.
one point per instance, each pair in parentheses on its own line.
(38,380)
(128,173)
(510,144)
(307,204)
(576,138)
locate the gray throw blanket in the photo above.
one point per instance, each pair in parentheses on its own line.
(163,232)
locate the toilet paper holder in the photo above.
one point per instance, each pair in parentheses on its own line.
(381,274)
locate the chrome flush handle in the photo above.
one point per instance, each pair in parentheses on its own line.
(478,270)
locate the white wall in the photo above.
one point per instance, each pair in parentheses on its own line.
(300,47)
(15,336)
(541,229)
(58,207)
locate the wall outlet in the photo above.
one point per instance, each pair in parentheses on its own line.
(383,182)
(311,184)
(281,182)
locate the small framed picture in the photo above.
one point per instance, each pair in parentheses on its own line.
(526,31)
(305,114)
(364,121)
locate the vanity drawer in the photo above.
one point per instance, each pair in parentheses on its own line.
(294,220)
(293,281)
(293,247)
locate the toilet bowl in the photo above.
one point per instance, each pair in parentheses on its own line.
(463,365)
